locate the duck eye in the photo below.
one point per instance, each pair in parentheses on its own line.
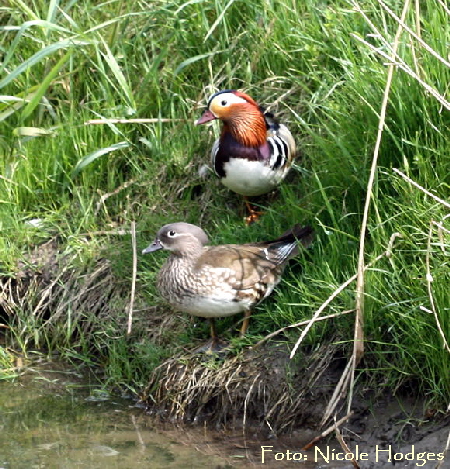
(171,233)
(224,103)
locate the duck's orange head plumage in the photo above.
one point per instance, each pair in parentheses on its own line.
(240,114)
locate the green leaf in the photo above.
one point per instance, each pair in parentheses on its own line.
(45,84)
(194,59)
(118,74)
(218,20)
(24,7)
(52,10)
(10,104)
(32,132)
(88,159)
(20,32)
(38,57)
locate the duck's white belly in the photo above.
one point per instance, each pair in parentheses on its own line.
(207,307)
(250,178)
(220,302)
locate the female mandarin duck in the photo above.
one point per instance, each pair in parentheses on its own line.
(254,152)
(219,281)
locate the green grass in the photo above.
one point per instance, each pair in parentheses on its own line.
(7,369)
(65,63)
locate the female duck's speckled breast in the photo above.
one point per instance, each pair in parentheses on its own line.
(198,292)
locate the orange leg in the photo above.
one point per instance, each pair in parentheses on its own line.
(212,328)
(213,344)
(244,327)
(253,214)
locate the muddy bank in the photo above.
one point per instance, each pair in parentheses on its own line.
(251,448)
(278,406)
(399,431)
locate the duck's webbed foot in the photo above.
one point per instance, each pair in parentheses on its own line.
(253,214)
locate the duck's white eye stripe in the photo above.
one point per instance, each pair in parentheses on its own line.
(225,99)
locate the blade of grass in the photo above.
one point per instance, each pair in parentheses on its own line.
(45,84)
(18,37)
(88,159)
(218,20)
(38,57)
(118,74)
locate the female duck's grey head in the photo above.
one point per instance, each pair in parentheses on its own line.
(178,237)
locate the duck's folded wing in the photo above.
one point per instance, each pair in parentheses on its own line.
(242,266)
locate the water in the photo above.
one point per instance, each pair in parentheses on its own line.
(51,418)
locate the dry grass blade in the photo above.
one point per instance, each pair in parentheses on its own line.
(76,295)
(154,120)
(358,350)
(398,62)
(133,278)
(441,231)
(107,233)
(50,288)
(192,387)
(425,191)
(300,324)
(104,197)
(402,23)
(338,290)
(339,393)
(447,447)
(319,312)
(327,431)
(248,397)
(444,5)
(345,447)
(49,291)
(429,279)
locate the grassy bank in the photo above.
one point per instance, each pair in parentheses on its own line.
(81,186)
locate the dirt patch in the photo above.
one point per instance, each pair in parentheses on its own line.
(399,431)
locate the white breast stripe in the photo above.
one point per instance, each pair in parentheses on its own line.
(279,150)
(273,152)
(214,151)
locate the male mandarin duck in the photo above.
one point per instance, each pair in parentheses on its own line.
(254,152)
(219,281)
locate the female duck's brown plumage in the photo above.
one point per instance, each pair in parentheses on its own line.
(254,152)
(218,281)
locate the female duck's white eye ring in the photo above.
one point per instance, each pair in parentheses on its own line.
(171,233)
